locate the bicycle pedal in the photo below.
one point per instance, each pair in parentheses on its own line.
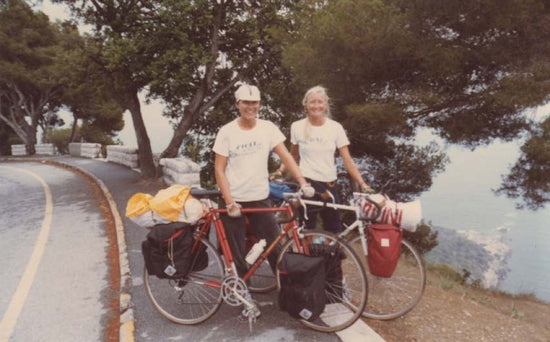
(248,314)
(251,320)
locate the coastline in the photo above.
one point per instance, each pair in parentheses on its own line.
(484,256)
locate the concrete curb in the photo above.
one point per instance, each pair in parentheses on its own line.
(127,322)
(127,327)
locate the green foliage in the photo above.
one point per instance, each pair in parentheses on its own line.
(61,138)
(42,67)
(515,313)
(371,126)
(118,56)
(201,59)
(402,173)
(529,178)
(7,138)
(447,272)
(87,90)
(187,53)
(94,134)
(424,239)
(449,277)
(30,75)
(465,69)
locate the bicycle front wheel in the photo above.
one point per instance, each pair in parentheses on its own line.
(263,280)
(392,297)
(193,298)
(346,293)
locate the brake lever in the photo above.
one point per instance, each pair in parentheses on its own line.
(303,206)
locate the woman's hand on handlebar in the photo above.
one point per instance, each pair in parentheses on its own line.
(275,175)
(365,188)
(234,210)
(307,190)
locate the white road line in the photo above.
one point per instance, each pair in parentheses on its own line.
(9,320)
(358,331)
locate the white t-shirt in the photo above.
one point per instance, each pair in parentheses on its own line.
(317,147)
(247,153)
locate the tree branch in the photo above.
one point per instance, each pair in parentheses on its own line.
(219,94)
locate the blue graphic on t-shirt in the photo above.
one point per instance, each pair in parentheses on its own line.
(245,149)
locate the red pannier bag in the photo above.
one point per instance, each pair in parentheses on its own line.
(384,249)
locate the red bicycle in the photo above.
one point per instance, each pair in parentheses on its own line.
(213,278)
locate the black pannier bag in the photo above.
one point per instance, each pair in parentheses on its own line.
(167,250)
(332,257)
(199,258)
(302,292)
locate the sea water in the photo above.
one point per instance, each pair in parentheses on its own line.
(515,254)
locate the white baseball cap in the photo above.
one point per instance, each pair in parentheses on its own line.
(248,93)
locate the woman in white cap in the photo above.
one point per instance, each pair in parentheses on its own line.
(314,141)
(242,150)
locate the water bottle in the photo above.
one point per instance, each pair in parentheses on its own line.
(255,251)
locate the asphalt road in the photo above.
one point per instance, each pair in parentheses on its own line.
(273,325)
(54,268)
(77,243)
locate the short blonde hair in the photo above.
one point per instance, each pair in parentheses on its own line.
(311,91)
(318,90)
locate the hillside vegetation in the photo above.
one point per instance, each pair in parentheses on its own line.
(453,311)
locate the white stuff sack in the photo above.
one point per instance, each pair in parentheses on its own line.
(193,210)
(148,219)
(406,215)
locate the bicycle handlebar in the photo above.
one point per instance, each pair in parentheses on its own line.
(298,197)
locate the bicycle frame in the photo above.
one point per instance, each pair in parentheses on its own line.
(212,218)
(359,224)
(177,299)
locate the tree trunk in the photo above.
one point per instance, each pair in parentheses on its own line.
(145,153)
(47,128)
(31,140)
(197,105)
(195,108)
(73,128)
(179,134)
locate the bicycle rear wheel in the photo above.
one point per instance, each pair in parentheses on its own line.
(346,297)
(193,298)
(390,298)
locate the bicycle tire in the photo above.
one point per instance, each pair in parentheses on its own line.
(263,280)
(390,298)
(344,311)
(188,300)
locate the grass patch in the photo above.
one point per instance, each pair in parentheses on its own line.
(445,276)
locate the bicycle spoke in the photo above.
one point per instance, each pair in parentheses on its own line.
(190,300)
(392,297)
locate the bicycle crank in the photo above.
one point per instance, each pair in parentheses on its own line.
(235,292)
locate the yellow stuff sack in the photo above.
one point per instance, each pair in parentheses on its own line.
(175,203)
(139,211)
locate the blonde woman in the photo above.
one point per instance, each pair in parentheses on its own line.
(315,139)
